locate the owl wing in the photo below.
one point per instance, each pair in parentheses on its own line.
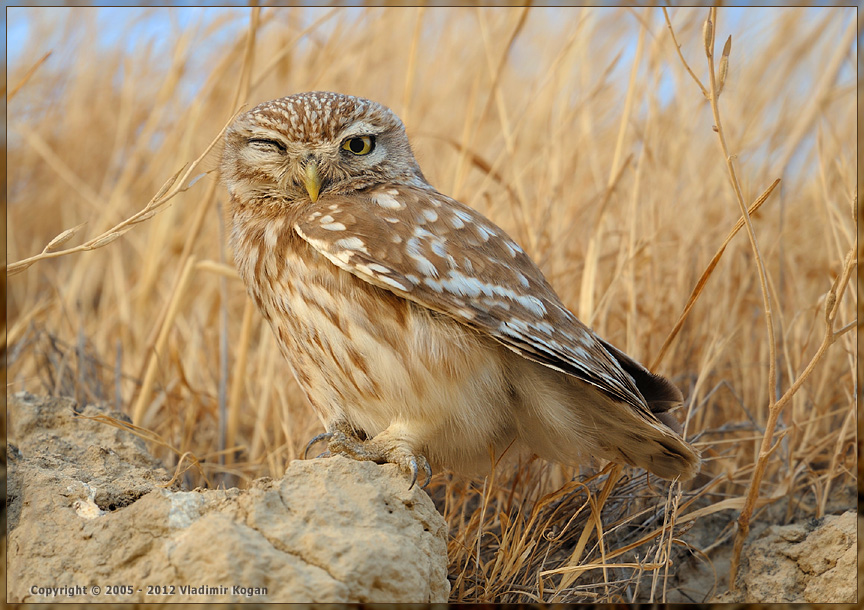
(442,255)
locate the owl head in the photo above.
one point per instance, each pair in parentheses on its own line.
(307,145)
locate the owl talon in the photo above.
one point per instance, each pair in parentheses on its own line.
(426,469)
(320,437)
(413,473)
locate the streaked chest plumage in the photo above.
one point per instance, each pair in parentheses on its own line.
(358,351)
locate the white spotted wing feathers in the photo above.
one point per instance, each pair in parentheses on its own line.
(446,257)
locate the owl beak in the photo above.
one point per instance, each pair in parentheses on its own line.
(312,180)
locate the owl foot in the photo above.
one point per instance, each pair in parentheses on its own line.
(379,451)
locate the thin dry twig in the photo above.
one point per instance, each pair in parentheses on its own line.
(30,72)
(569,578)
(159,333)
(751,232)
(703,279)
(229,405)
(680,55)
(175,185)
(775,406)
(832,303)
(592,253)
(743,519)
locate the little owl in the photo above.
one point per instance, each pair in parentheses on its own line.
(419,330)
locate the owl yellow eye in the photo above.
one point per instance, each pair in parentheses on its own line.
(359,146)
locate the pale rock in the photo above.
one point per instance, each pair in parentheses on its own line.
(813,562)
(88,505)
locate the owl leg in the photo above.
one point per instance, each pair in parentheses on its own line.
(383,449)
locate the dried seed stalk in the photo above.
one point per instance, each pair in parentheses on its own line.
(173,186)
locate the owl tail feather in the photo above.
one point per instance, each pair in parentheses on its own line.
(576,421)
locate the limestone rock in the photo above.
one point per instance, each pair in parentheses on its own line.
(811,562)
(89,507)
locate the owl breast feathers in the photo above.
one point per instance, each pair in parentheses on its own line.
(419,330)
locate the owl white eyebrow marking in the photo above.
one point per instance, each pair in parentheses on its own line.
(364,128)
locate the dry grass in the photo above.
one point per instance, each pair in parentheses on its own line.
(577,130)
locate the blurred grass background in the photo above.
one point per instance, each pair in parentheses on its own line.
(575,129)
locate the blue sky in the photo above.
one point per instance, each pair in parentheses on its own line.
(132,28)
(135,27)
(149,23)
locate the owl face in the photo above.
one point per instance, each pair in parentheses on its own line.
(305,146)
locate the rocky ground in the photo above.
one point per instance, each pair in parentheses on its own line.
(813,562)
(92,516)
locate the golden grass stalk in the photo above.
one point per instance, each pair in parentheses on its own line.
(595,522)
(832,302)
(30,72)
(775,407)
(524,113)
(589,272)
(703,279)
(173,186)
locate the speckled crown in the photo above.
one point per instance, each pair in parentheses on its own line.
(318,116)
